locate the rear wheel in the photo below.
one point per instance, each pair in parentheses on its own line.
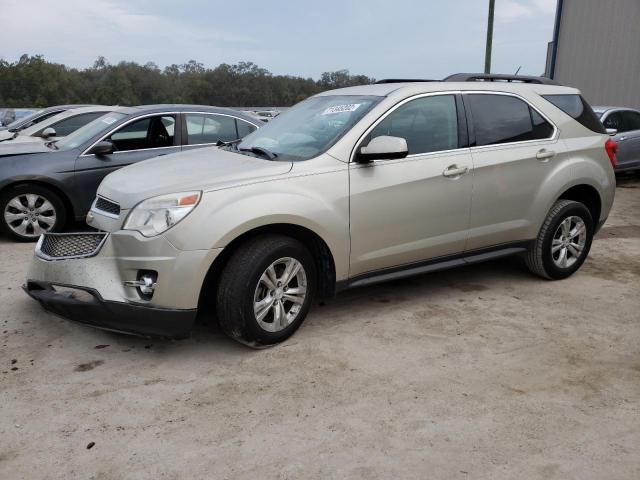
(30,210)
(265,290)
(564,241)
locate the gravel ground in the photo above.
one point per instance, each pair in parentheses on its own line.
(484,372)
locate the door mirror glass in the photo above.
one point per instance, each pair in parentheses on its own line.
(383,147)
(105,147)
(48,132)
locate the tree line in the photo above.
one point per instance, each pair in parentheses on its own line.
(32,81)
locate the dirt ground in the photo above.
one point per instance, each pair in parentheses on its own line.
(483,372)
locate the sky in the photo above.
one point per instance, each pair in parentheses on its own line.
(378,38)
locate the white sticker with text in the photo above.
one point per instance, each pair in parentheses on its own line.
(108,120)
(351,107)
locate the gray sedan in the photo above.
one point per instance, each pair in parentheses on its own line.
(627,123)
(44,185)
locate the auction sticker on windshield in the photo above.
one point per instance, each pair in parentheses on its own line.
(108,120)
(351,107)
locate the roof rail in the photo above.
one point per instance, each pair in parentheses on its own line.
(498,77)
(402,80)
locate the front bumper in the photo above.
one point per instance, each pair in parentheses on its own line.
(91,309)
(102,274)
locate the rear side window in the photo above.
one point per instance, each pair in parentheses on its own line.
(501,119)
(428,124)
(577,108)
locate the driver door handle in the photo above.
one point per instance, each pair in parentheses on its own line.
(454,171)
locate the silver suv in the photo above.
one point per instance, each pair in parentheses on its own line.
(347,188)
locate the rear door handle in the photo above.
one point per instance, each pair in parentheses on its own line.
(454,171)
(620,139)
(545,154)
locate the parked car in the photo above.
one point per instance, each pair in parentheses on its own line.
(626,122)
(348,188)
(45,184)
(7,115)
(20,113)
(55,127)
(37,117)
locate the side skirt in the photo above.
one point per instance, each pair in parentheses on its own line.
(434,265)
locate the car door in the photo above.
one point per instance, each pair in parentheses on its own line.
(137,140)
(413,209)
(514,148)
(206,129)
(628,137)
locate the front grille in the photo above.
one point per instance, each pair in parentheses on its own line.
(107,206)
(55,246)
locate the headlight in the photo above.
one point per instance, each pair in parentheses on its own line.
(155,215)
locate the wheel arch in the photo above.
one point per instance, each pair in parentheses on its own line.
(45,183)
(325,261)
(588,196)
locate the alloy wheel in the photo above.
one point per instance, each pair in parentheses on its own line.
(280,294)
(568,242)
(30,215)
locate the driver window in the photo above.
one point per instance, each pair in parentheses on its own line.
(148,132)
(615,121)
(428,124)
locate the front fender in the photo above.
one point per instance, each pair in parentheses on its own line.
(319,203)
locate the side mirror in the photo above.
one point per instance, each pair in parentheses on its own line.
(48,132)
(612,132)
(105,147)
(383,148)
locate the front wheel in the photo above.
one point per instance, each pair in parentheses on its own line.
(564,241)
(30,210)
(265,290)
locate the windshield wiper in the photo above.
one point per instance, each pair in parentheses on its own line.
(260,151)
(220,143)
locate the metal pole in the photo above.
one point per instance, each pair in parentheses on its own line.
(487,54)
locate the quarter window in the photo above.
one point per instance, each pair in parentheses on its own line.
(203,128)
(148,132)
(501,119)
(428,124)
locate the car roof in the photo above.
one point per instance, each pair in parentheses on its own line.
(412,88)
(602,109)
(176,107)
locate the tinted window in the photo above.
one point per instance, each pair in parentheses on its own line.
(631,120)
(149,132)
(503,119)
(210,128)
(614,120)
(244,128)
(576,107)
(428,124)
(71,124)
(39,119)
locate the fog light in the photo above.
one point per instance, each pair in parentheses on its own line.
(145,284)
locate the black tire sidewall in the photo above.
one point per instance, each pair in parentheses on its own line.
(574,209)
(24,189)
(252,332)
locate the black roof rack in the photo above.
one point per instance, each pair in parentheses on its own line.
(402,80)
(498,77)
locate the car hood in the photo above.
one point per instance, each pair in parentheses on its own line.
(22,148)
(201,169)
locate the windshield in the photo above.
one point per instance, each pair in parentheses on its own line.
(23,119)
(309,128)
(90,130)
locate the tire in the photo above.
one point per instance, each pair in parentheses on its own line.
(242,283)
(562,262)
(34,210)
